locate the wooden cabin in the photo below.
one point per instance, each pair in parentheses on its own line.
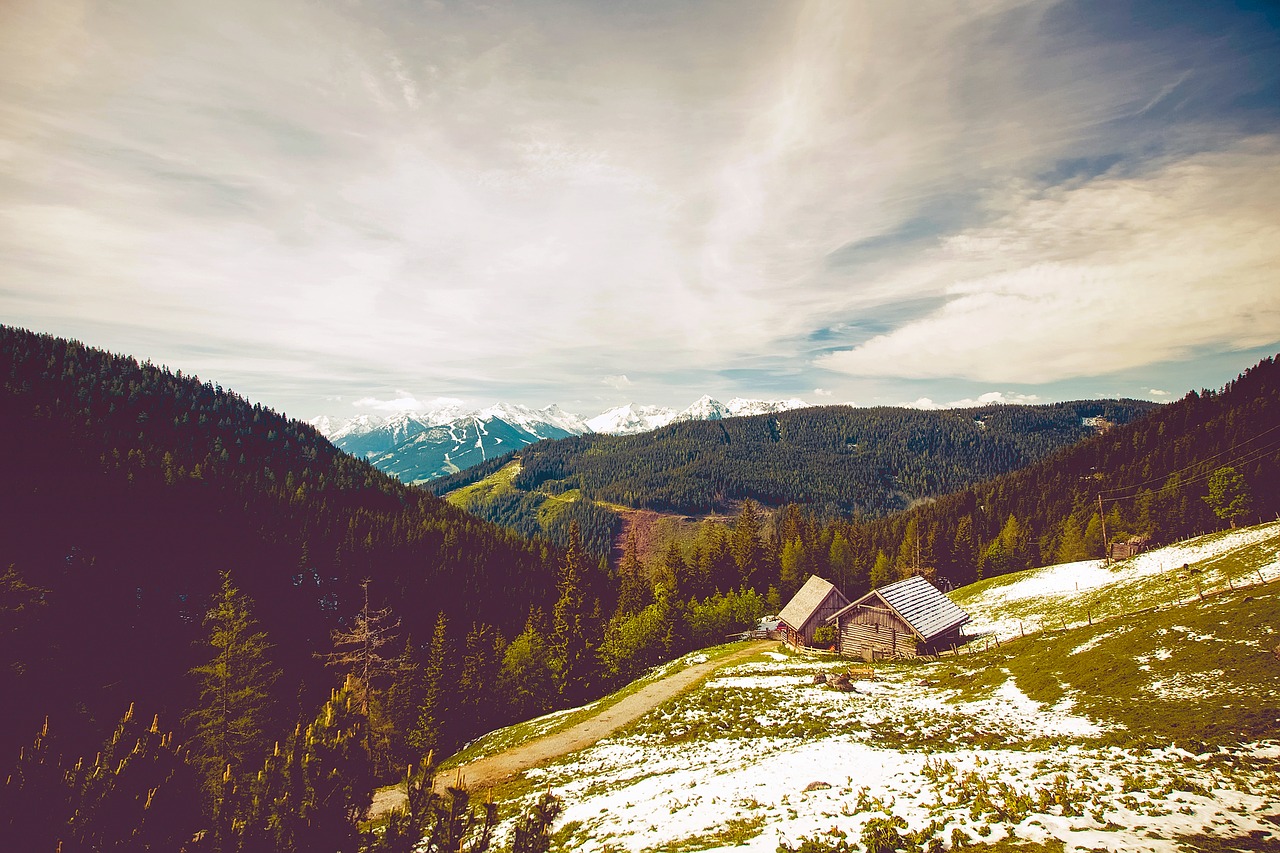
(904,619)
(808,609)
(1131,547)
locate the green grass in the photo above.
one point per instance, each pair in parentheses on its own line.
(554,504)
(520,733)
(733,833)
(1174,586)
(498,483)
(1197,673)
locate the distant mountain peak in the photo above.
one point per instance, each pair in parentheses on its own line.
(447,436)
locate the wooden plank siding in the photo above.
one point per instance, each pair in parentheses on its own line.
(808,609)
(830,605)
(876,632)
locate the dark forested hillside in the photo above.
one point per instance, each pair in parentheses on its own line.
(126,489)
(836,461)
(1152,478)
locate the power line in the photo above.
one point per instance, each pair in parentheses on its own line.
(1251,455)
(1161,478)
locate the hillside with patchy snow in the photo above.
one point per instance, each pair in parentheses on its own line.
(1156,727)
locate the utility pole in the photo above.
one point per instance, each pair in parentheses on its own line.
(1106,549)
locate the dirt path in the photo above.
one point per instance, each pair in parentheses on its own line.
(492,769)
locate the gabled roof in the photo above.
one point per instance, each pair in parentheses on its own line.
(918,603)
(802,605)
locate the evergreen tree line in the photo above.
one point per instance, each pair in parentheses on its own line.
(244,780)
(836,460)
(129,489)
(1207,461)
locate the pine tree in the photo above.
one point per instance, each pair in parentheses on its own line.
(358,651)
(882,572)
(745,545)
(634,590)
(532,832)
(336,774)
(570,660)
(234,711)
(1071,547)
(964,549)
(437,682)
(527,680)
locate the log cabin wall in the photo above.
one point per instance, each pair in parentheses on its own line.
(830,605)
(875,632)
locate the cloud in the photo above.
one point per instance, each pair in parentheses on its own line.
(298,196)
(1115,274)
(1156,392)
(617,382)
(406,402)
(821,392)
(990,398)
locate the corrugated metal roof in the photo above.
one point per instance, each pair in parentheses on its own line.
(923,606)
(920,604)
(802,605)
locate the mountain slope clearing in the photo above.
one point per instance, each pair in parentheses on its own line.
(1154,729)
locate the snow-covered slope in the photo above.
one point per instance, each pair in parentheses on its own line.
(447,437)
(1073,750)
(631,419)
(1079,593)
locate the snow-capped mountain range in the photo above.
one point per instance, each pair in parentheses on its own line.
(420,446)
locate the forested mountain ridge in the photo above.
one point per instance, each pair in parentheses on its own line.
(1163,477)
(834,460)
(127,489)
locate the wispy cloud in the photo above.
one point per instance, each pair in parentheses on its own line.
(480,199)
(1114,274)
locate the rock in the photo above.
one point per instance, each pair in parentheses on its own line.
(816,786)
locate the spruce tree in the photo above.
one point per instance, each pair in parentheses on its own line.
(527,681)
(634,591)
(404,699)
(429,733)
(1071,546)
(569,653)
(882,572)
(233,716)
(477,676)
(745,545)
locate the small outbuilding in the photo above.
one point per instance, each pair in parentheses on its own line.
(904,619)
(1131,547)
(808,609)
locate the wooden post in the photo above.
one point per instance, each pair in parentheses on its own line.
(1089,612)
(1021,632)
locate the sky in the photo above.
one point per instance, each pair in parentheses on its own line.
(335,207)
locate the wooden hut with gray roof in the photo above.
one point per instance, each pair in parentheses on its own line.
(808,610)
(904,619)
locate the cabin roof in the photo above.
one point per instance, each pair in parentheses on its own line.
(918,603)
(803,604)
